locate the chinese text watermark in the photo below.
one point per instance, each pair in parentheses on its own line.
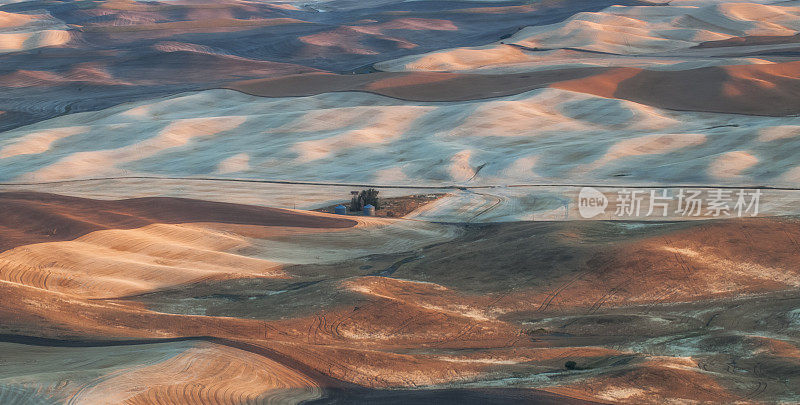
(679,202)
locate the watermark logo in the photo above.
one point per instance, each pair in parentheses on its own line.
(591,202)
(638,203)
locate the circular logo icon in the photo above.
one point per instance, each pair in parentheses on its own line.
(591,202)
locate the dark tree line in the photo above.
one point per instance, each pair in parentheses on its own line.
(369,196)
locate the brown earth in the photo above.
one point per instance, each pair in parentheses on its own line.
(752,40)
(416,86)
(649,313)
(37,217)
(207,25)
(770,89)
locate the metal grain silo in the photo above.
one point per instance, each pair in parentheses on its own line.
(340,209)
(369,210)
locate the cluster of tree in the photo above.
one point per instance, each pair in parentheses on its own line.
(361,199)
